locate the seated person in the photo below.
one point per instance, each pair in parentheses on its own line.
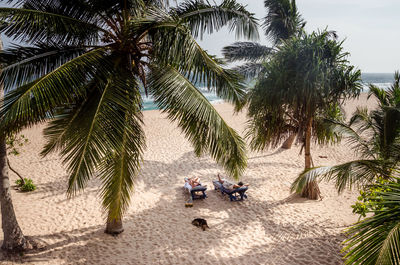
(229,185)
(190,183)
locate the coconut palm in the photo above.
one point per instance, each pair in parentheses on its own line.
(374,135)
(376,239)
(281,22)
(14,239)
(304,81)
(83,68)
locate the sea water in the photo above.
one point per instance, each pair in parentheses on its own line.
(148,102)
(383,80)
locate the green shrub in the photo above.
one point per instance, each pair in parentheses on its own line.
(18,182)
(28,186)
(370,199)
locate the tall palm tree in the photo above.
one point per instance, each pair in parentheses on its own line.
(281,22)
(83,68)
(305,80)
(374,135)
(14,239)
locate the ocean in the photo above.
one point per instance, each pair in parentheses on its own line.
(383,80)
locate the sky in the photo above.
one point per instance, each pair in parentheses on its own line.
(371,29)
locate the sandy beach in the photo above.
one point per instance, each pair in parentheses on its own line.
(270,227)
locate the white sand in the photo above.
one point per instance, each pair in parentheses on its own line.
(269,228)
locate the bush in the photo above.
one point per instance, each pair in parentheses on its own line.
(18,182)
(28,186)
(370,199)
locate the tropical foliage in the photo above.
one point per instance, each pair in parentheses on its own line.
(304,81)
(376,136)
(84,66)
(376,239)
(372,134)
(14,143)
(281,22)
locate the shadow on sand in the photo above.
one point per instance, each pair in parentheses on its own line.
(163,234)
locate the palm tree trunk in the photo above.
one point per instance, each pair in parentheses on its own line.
(289,141)
(311,190)
(114,226)
(14,239)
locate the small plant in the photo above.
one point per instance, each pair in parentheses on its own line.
(14,143)
(370,199)
(25,186)
(19,182)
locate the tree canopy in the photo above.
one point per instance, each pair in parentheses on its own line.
(304,82)
(82,66)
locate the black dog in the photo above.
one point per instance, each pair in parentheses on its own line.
(200,222)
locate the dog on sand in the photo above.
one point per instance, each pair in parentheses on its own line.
(200,222)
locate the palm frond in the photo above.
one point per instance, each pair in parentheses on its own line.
(246,51)
(174,45)
(22,65)
(30,26)
(200,122)
(34,102)
(203,17)
(249,70)
(120,167)
(104,125)
(376,239)
(345,176)
(282,20)
(353,137)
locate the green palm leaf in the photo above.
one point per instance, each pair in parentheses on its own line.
(202,17)
(197,64)
(346,175)
(30,26)
(376,239)
(200,122)
(35,101)
(82,70)
(282,20)
(26,64)
(247,51)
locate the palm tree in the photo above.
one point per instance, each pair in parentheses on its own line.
(281,22)
(83,68)
(14,239)
(376,239)
(305,80)
(375,135)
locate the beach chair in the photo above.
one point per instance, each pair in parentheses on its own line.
(238,194)
(198,192)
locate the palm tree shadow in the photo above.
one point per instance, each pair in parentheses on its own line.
(163,233)
(296,198)
(276,152)
(160,236)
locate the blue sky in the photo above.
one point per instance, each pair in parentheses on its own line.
(371,29)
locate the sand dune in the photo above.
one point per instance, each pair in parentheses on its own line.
(271,227)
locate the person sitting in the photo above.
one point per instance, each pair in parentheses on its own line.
(193,182)
(195,190)
(229,185)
